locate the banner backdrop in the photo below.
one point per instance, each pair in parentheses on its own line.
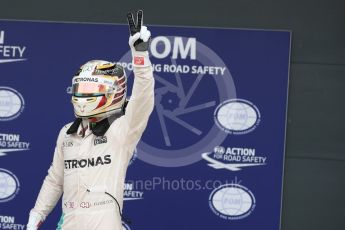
(212,154)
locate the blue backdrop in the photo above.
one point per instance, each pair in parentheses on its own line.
(212,154)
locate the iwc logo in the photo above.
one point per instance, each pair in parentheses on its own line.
(100,140)
(232,201)
(237,116)
(9,185)
(11,103)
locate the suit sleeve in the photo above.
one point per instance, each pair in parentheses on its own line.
(139,107)
(52,187)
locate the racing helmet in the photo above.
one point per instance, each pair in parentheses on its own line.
(99,89)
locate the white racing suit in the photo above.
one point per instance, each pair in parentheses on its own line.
(84,168)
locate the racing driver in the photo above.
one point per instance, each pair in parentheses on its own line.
(92,153)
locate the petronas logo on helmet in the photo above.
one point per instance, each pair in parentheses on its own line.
(87,79)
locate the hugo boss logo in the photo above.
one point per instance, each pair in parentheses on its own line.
(100,140)
(67,143)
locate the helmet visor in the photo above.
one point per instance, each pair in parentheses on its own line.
(89,89)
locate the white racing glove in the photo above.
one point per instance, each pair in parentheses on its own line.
(139,40)
(35,220)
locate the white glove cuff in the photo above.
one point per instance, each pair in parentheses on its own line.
(35,220)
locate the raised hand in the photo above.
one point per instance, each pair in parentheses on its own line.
(139,35)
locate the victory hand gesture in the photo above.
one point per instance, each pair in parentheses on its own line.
(139,34)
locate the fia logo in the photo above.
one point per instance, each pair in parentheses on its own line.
(233,158)
(10,142)
(232,201)
(9,185)
(237,116)
(11,103)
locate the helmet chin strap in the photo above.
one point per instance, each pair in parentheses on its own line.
(84,126)
(84,122)
(93,120)
(96,119)
(88,123)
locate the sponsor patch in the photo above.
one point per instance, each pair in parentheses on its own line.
(139,60)
(100,140)
(90,162)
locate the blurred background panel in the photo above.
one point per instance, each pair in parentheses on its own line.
(314,185)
